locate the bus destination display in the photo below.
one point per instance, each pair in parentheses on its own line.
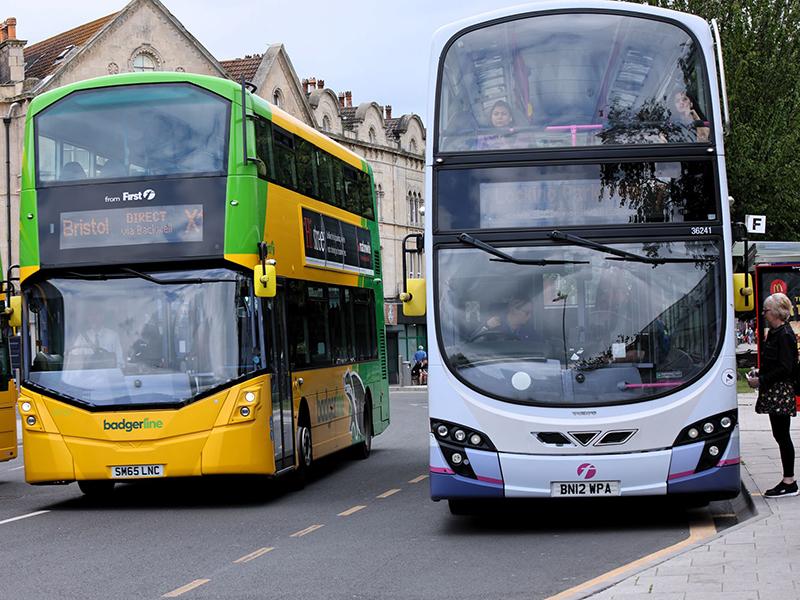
(334,244)
(131,226)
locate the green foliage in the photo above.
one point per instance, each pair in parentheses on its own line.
(761,46)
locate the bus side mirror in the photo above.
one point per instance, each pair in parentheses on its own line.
(414,298)
(14,311)
(265,279)
(743,300)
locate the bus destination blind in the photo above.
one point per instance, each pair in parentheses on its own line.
(131,226)
(334,244)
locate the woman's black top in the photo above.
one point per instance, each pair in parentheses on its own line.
(778,357)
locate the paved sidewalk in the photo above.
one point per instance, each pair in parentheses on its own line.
(758,560)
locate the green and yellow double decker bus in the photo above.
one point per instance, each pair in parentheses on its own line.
(201,286)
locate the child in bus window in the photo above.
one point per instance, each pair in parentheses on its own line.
(503,132)
(690,118)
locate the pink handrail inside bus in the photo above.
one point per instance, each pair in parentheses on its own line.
(633,386)
(574,129)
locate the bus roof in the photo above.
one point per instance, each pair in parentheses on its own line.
(444,33)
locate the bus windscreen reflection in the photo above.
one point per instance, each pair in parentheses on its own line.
(590,332)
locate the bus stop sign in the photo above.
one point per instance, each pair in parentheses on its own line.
(756,223)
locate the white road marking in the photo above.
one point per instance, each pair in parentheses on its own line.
(388,493)
(253,555)
(306,531)
(350,511)
(29,515)
(186,588)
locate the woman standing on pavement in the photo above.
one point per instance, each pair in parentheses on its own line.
(775,383)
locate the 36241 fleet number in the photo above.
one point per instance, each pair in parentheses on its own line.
(701,230)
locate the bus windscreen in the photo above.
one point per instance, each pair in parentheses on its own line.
(572,80)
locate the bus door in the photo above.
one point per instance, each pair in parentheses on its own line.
(8,398)
(282,417)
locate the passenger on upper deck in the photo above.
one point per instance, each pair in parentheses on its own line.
(503,132)
(694,125)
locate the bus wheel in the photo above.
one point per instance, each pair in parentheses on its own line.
(460,507)
(362,449)
(97,489)
(305,455)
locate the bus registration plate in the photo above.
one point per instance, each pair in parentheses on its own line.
(584,488)
(137,471)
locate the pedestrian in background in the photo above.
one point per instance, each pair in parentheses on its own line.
(420,354)
(775,383)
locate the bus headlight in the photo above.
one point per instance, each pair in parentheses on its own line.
(30,420)
(713,451)
(708,429)
(456,458)
(244,411)
(26,406)
(461,436)
(250,397)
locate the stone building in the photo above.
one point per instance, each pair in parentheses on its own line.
(145,36)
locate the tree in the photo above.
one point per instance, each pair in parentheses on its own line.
(761,46)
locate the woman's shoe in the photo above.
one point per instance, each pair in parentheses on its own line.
(782,489)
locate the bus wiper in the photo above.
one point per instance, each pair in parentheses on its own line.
(194,280)
(503,257)
(100,277)
(622,254)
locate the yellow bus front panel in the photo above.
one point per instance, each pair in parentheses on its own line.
(210,436)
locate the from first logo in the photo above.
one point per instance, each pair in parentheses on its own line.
(148,194)
(587,471)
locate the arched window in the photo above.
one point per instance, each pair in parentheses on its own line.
(413,208)
(373,139)
(277,98)
(326,123)
(144,62)
(412,146)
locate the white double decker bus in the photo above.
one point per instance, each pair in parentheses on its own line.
(578,246)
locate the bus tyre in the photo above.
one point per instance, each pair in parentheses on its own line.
(460,507)
(97,489)
(362,449)
(305,455)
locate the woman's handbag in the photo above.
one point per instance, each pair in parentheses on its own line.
(777,399)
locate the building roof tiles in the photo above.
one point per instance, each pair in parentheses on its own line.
(42,58)
(242,67)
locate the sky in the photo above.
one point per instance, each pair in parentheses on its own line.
(377,49)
